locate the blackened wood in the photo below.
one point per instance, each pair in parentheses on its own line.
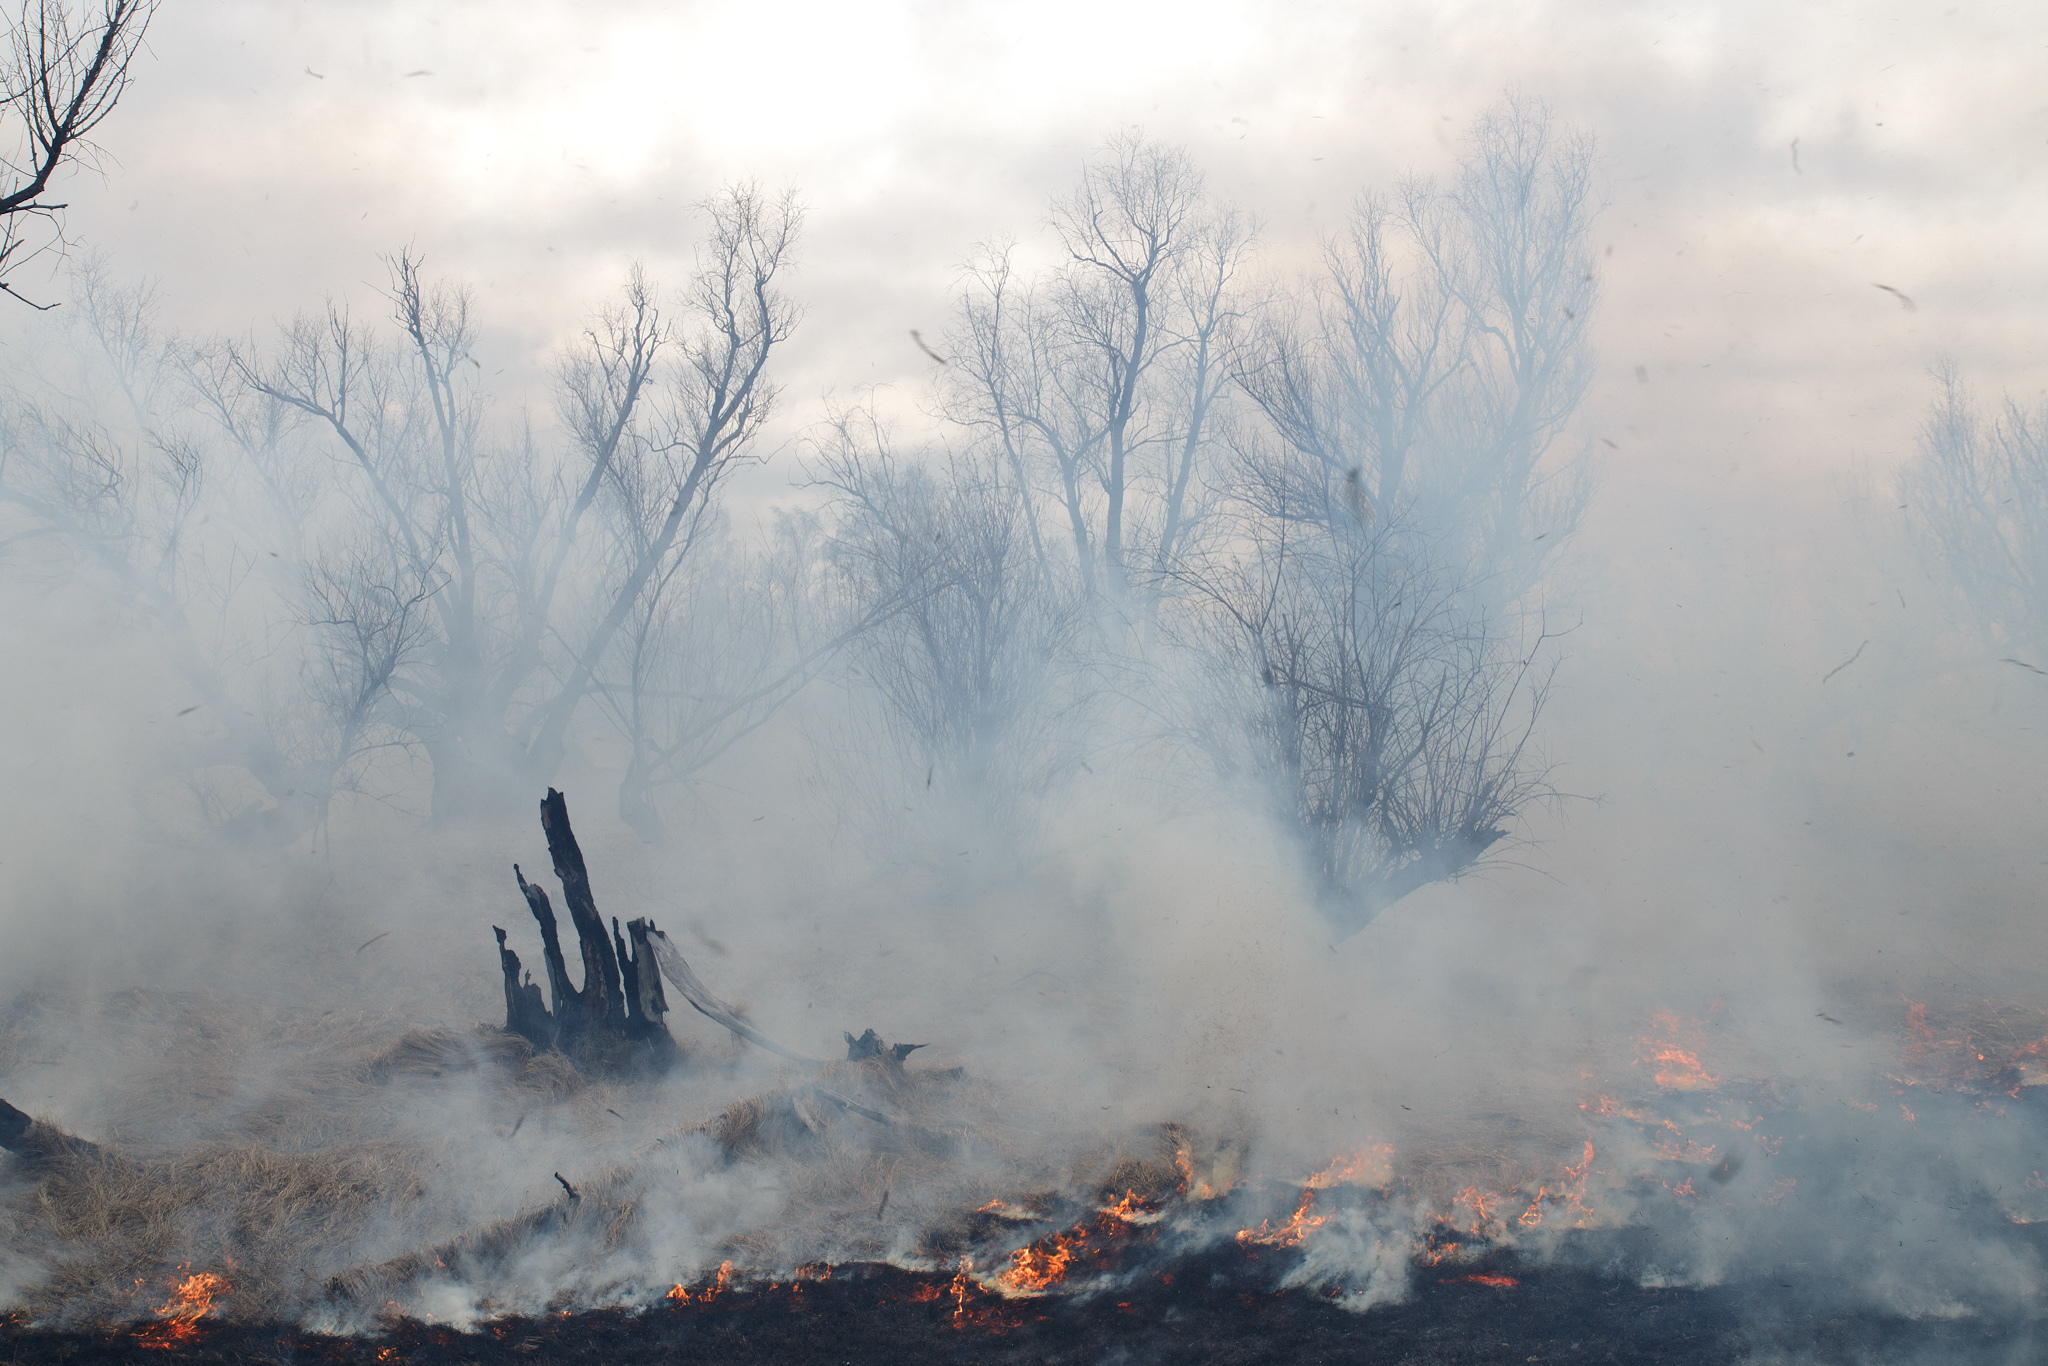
(525,1014)
(568,1002)
(677,969)
(602,994)
(653,1001)
(871,1045)
(636,1019)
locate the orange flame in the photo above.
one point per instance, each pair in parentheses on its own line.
(1129,1210)
(178,1317)
(1042,1264)
(681,1294)
(1678,1069)
(962,1285)
(1372,1165)
(1289,1234)
(1481,1278)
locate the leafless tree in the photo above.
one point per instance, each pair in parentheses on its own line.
(1391,719)
(966,641)
(1099,383)
(517,644)
(285,648)
(1976,507)
(353,560)
(1442,350)
(64,75)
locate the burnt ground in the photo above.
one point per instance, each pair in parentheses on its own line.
(1205,1310)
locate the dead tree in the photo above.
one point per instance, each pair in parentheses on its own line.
(621,997)
(63,77)
(621,1001)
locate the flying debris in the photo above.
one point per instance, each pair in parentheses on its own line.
(926,349)
(1904,302)
(1845,663)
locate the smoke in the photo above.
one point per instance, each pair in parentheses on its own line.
(1750,1001)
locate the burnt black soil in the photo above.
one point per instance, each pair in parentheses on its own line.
(1202,1311)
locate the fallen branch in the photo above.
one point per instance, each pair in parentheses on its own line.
(677,969)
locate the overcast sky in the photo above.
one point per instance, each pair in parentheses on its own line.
(269,152)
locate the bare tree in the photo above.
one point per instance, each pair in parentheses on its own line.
(517,646)
(1976,507)
(286,647)
(1105,377)
(965,639)
(1390,719)
(64,75)
(1442,350)
(350,560)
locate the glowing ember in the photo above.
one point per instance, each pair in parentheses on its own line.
(178,1318)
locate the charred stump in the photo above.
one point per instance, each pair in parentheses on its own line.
(621,999)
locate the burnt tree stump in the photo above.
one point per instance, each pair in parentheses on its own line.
(620,1001)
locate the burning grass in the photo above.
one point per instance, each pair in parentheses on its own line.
(874,1163)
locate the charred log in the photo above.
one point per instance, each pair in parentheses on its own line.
(646,1004)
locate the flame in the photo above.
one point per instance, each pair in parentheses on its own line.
(1039,1266)
(1289,1234)
(963,1284)
(1678,1069)
(1184,1159)
(1482,1204)
(719,1284)
(178,1317)
(1481,1278)
(1129,1210)
(1371,1166)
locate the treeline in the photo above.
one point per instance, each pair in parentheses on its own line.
(1298,532)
